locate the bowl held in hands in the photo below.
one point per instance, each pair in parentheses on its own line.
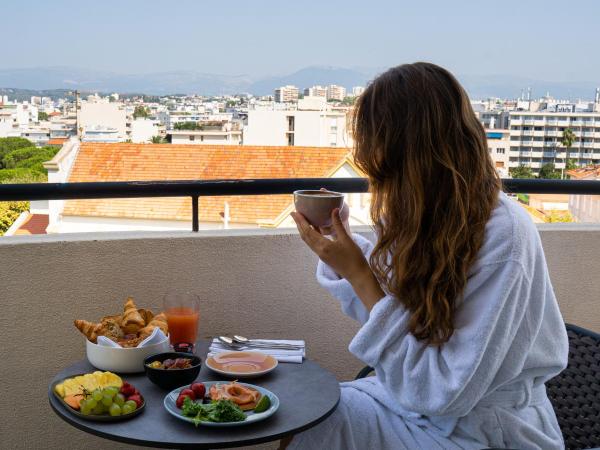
(316,206)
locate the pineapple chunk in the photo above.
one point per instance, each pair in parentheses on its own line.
(60,389)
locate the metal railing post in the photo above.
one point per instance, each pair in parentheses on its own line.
(195,224)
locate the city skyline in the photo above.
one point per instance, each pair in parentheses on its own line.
(530,40)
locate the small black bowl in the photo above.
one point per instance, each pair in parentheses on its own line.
(172,378)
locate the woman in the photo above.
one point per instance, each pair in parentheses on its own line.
(458,314)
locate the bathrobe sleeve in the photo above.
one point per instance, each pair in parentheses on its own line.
(452,378)
(341,289)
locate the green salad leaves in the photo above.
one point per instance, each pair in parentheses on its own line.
(216,411)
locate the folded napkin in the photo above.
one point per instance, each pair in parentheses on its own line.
(154,338)
(290,356)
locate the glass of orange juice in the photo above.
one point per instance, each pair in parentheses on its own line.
(183,315)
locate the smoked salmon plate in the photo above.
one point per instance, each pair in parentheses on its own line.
(221,403)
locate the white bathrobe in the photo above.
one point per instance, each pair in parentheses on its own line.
(485,386)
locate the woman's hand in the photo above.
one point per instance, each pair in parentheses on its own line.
(343,255)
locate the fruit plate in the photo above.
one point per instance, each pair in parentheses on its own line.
(241,364)
(251,416)
(92,417)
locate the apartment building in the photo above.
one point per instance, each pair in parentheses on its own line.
(535,136)
(286,94)
(311,125)
(316,91)
(216,133)
(498,142)
(102,119)
(357,90)
(335,92)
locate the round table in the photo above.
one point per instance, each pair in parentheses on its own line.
(307,392)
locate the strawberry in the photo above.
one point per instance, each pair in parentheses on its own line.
(127,389)
(181,399)
(199,389)
(191,394)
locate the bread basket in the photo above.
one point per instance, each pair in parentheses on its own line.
(123,360)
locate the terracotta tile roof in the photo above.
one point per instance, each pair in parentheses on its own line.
(57,141)
(126,162)
(34,224)
(591,172)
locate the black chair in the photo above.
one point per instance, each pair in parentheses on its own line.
(575,392)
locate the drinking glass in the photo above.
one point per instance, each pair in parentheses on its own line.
(183,315)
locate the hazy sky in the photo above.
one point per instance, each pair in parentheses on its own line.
(543,39)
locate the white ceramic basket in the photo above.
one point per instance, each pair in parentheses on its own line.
(123,360)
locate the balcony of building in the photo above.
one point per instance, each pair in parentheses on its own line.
(251,282)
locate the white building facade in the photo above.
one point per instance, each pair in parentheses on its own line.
(498,142)
(316,91)
(535,136)
(335,92)
(97,118)
(286,94)
(306,128)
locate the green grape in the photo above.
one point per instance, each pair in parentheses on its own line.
(91,402)
(85,409)
(111,390)
(114,410)
(107,399)
(98,409)
(132,404)
(127,409)
(97,395)
(119,399)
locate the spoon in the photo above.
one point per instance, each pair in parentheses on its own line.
(246,341)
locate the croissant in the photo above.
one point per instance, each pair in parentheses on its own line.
(89,329)
(158,321)
(147,315)
(131,320)
(110,328)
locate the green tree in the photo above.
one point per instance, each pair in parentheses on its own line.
(12,143)
(158,140)
(567,139)
(348,101)
(42,116)
(521,172)
(140,111)
(550,172)
(29,157)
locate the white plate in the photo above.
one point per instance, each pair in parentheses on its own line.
(251,416)
(241,357)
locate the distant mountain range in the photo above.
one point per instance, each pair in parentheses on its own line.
(191,82)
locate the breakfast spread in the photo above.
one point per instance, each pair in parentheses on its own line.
(127,329)
(99,394)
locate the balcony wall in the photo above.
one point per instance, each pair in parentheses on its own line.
(257,283)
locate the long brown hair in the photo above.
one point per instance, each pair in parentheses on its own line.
(434,188)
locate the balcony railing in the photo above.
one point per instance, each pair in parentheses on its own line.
(196,189)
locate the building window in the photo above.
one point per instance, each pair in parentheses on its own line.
(290,139)
(192,138)
(291,123)
(500,150)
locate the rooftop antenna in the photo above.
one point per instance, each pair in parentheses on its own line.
(598,95)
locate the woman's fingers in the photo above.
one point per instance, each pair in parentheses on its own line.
(312,237)
(338,225)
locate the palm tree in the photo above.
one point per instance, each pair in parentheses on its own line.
(567,139)
(157,140)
